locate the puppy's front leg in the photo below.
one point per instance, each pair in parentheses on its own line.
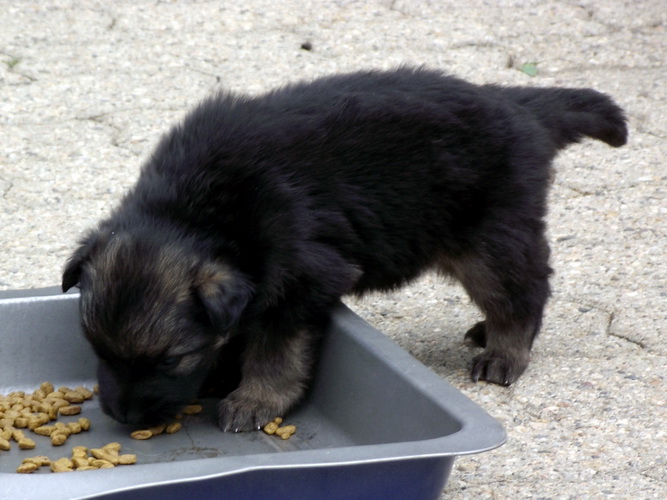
(275,372)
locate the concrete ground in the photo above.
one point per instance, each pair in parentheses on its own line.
(87,87)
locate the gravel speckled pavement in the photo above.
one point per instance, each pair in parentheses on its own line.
(87,87)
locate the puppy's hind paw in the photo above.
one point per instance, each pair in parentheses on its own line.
(497,369)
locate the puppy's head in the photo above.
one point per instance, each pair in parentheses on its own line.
(157,312)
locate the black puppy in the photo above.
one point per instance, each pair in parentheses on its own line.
(256,214)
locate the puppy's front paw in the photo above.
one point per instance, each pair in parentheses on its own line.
(237,414)
(247,410)
(498,368)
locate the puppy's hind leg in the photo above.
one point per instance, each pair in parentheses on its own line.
(511,287)
(276,369)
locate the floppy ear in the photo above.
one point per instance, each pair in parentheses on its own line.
(224,293)
(74,266)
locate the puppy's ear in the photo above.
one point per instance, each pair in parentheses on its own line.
(224,294)
(74,266)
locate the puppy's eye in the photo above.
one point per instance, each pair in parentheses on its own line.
(169,362)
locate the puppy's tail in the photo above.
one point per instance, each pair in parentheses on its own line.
(571,114)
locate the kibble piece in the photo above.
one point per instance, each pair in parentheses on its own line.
(69,410)
(74,397)
(104,455)
(157,429)
(62,428)
(62,465)
(271,428)
(44,430)
(86,393)
(17,435)
(27,468)
(286,431)
(75,427)
(37,421)
(21,422)
(127,459)
(39,461)
(4,444)
(12,414)
(84,423)
(34,405)
(58,438)
(193,409)
(50,411)
(57,404)
(141,434)
(101,464)
(43,406)
(112,447)
(86,467)
(46,387)
(80,462)
(38,394)
(26,444)
(173,427)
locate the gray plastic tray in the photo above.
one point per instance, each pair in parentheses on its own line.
(377,424)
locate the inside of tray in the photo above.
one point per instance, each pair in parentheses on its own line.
(359,396)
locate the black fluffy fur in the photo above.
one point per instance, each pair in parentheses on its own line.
(256,214)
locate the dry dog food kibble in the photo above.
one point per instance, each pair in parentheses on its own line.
(26,443)
(69,410)
(27,468)
(284,432)
(127,459)
(192,409)
(35,411)
(4,444)
(38,412)
(63,464)
(173,427)
(157,429)
(271,428)
(106,457)
(58,438)
(38,461)
(141,434)
(84,423)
